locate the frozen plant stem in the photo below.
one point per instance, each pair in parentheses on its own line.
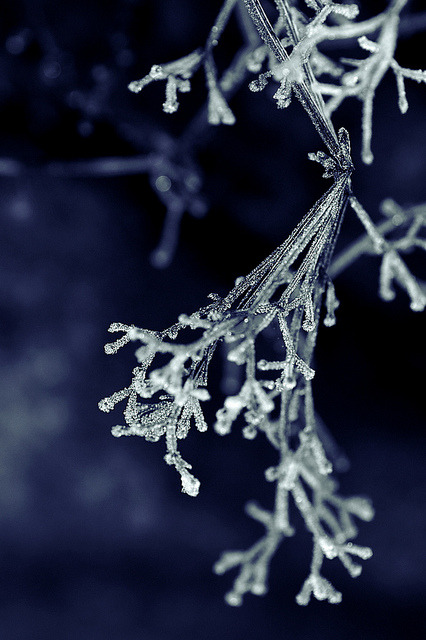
(393,268)
(288,295)
(296,63)
(302,90)
(285,293)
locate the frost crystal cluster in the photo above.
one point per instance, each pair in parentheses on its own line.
(288,296)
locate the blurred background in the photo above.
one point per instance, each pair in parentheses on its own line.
(96,540)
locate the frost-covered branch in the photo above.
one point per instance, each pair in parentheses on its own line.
(178,74)
(291,52)
(287,295)
(301,69)
(363,81)
(238,318)
(393,269)
(284,294)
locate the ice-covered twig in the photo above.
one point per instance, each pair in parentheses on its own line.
(329,518)
(393,268)
(283,294)
(179,72)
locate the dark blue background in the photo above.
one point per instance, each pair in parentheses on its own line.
(96,540)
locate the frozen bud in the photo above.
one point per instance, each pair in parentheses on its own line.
(190,484)
(271,474)
(250,432)
(234,599)
(360,507)
(157,72)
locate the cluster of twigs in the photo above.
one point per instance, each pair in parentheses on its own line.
(290,292)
